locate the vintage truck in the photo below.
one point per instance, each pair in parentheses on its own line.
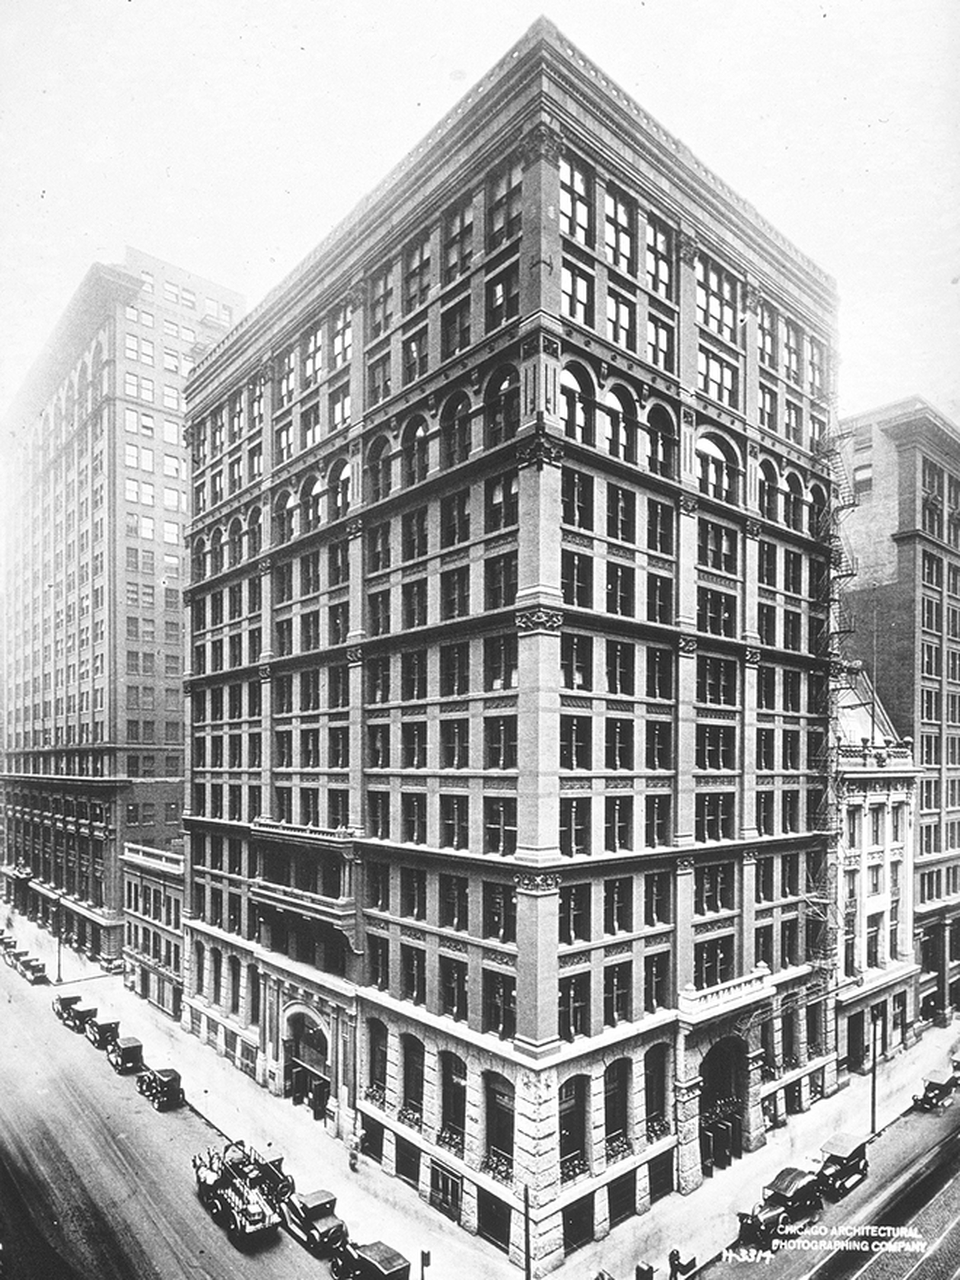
(229,1185)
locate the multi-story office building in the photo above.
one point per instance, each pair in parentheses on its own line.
(877,969)
(153,933)
(509,683)
(905,613)
(92,592)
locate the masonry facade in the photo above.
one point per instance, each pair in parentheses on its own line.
(509,838)
(153,926)
(904,609)
(92,594)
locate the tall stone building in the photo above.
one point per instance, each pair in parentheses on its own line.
(95,505)
(509,839)
(904,609)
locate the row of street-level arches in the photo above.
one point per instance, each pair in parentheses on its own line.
(614,423)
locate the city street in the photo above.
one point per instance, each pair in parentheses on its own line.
(93,1182)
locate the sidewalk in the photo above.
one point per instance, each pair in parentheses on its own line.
(375,1206)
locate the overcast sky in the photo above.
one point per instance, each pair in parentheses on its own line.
(227,136)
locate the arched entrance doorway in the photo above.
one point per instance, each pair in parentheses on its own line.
(723,1094)
(306,1069)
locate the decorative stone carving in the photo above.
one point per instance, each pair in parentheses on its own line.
(542,142)
(687,248)
(578,957)
(537,882)
(356,295)
(266,671)
(689,417)
(753,529)
(452,944)
(539,450)
(689,506)
(354,654)
(354,528)
(752,657)
(684,864)
(539,619)
(751,298)
(416,935)
(688,646)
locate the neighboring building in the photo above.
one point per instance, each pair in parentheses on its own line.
(508,831)
(153,933)
(877,976)
(92,592)
(905,613)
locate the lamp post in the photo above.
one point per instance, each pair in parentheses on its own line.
(874,1024)
(59,936)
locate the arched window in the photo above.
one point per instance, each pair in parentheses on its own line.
(254,533)
(310,504)
(572,1103)
(499,1107)
(719,472)
(338,489)
(285,517)
(216,974)
(455,431)
(216,552)
(501,407)
(376,1060)
(233,965)
(378,468)
(662,442)
(616,1108)
(620,415)
(412,1056)
(453,1102)
(769,491)
(414,452)
(235,543)
(198,561)
(199,956)
(655,1091)
(818,512)
(578,405)
(793,503)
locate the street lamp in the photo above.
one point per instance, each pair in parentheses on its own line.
(59,935)
(874,1026)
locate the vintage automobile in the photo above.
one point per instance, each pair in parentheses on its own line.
(101,1031)
(938,1087)
(78,1015)
(161,1088)
(229,1187)
(844,1164)
(14,958)
(311,1219)
(376,1261)
(60,1004)
(34,970)
(125,1055)
(793,1196)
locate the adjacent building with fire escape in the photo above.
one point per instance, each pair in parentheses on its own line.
(509,833)
(92,667)
(905,605)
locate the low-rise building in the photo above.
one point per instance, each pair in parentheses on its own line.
(153,906)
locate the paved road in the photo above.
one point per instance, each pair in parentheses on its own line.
(94,1182)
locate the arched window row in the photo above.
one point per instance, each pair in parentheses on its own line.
(787,499)
(242,540)
(616,422)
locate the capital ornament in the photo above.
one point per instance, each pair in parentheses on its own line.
(354,654)
(751,298)
(538,451)
(687,246)
(688,645)
(542,142)
(537,882)
(539,619)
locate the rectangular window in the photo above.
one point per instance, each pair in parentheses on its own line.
(457,241)
(621,320)
(576,291)
(661,343)
(717,299)
(718,378)
(659,258)
(504,204)
(455,329)
(503,297)
(576,200)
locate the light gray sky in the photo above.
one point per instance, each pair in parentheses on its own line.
(227,136)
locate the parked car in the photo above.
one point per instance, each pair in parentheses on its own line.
(102,1031)
(844,1164)
(78,1015)
(938,1087)
(125,1055)
(34,970)
(375,1261)
(162,1088)
(311,1219)
(792,1196)
(60,1004)
(14,957)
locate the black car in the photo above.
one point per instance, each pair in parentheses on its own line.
(162,1088)
(938,1087)
(844,1164)
(793,1196)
